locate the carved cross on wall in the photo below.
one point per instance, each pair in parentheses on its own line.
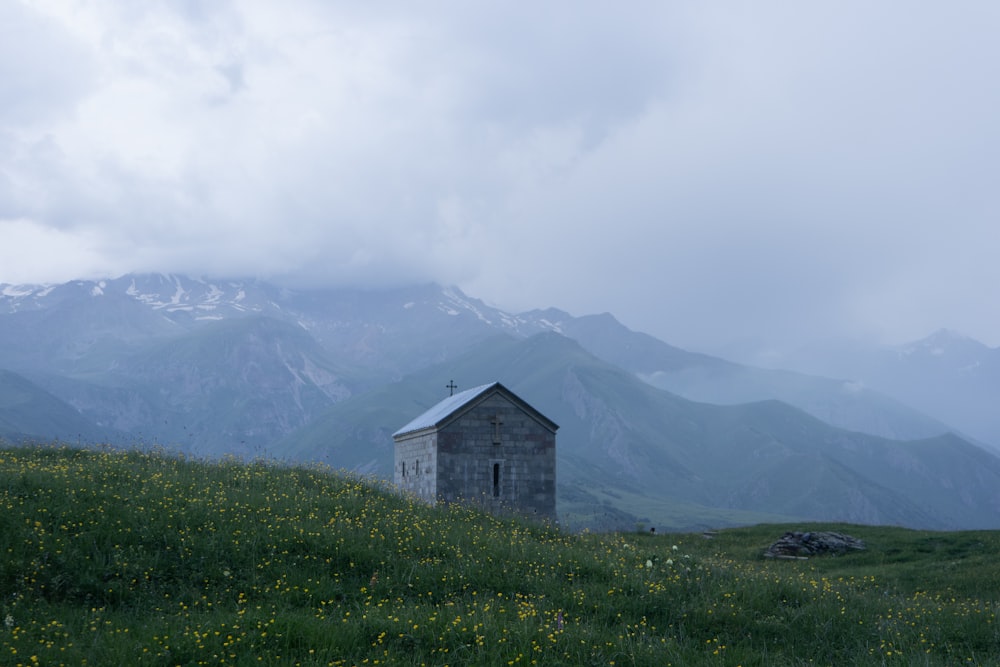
(497,423)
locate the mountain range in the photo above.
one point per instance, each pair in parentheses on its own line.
(947,375)
(650,433)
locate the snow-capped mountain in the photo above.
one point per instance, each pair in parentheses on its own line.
(950,352)
(74,317)
(227,365)
(243,367)
(86,328)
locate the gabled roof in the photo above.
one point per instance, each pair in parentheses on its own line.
(458,404)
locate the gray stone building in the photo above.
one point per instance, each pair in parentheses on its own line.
(484,445)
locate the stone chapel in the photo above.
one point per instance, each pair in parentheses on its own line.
(484,445)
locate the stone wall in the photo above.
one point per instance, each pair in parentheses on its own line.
(497,455)
(416,466)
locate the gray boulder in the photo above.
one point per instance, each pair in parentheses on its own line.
(796,545)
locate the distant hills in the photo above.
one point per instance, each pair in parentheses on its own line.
(27,411)
(948,375)
(701,377)
(649,433)
(626,447)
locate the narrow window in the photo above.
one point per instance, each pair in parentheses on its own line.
(417,468)
(496,480)
(404,468)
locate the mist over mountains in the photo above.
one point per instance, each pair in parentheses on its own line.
(947,374)
(649,432)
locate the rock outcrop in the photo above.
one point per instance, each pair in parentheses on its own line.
(800,546)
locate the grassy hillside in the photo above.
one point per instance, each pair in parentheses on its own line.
(144,559)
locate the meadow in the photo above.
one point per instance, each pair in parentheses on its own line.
(130,558)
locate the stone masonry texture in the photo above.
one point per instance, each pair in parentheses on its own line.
(493,453)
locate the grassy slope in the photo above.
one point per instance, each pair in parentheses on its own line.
(139,559)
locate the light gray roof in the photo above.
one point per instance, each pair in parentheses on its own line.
(444,409)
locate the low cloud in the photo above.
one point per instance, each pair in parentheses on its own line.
(705,173)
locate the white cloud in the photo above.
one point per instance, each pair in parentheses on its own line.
(66,256)
(705,172)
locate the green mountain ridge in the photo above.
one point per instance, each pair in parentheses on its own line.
(27,410)
(620,436)
(205,382)
(708,379)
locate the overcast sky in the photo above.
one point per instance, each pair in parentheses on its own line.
(708,172)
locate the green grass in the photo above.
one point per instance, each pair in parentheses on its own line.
(114,558)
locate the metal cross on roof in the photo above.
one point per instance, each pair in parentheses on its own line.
(452,387)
